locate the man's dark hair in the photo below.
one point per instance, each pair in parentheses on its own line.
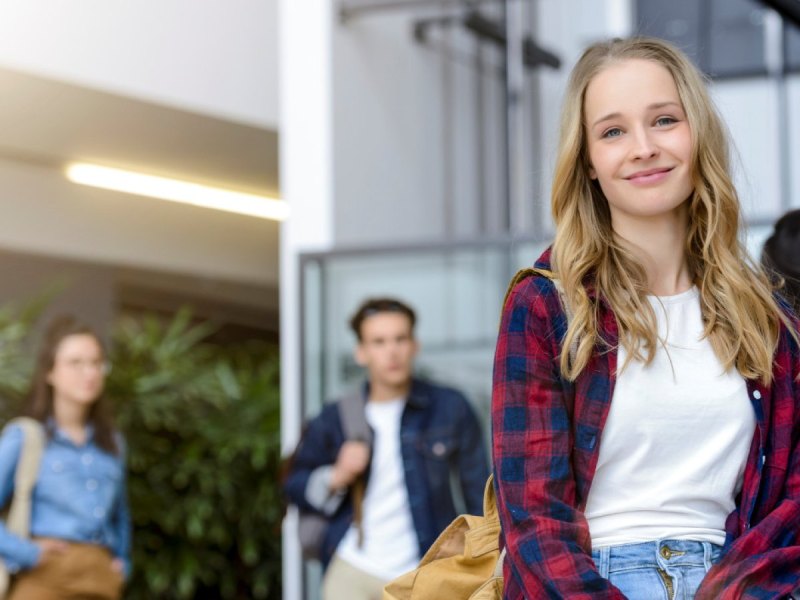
(374,306)
(781,255)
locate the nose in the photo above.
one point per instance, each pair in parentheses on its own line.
(643,144)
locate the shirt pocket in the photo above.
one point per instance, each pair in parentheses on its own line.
(59,473)
(438,445)
(59,464)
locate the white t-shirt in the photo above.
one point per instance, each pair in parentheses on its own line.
(390,545)
(674,447)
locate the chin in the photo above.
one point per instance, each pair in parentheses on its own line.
(398,380)
(88,398)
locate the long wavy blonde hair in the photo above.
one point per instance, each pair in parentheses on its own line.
(740,315)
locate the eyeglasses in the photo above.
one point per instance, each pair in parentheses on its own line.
(80,364)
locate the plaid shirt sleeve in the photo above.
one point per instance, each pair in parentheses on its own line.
(761,559)
(546,536)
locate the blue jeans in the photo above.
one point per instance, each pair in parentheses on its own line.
(660,570)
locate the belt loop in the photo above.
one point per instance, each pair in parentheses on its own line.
(605,559)
(707,551)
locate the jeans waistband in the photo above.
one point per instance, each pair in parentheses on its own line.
(661,553)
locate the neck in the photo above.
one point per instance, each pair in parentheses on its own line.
(661,248)
(69,416)
(382,392)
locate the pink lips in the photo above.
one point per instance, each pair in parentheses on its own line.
(649,176)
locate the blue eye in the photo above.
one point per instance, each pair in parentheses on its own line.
(664,121)
(613,132)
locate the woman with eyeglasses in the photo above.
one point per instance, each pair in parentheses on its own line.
(80,523)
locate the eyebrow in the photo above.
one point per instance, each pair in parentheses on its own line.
(654,106)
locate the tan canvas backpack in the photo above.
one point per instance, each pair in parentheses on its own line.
(463,563)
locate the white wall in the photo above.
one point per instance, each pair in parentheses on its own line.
(405,132)
(210,56)
(750,109)
(794,137)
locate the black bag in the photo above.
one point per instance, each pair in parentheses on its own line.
(313,526)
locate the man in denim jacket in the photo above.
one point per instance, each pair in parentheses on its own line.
(424,437)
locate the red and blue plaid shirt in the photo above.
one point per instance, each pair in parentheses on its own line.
(546,439)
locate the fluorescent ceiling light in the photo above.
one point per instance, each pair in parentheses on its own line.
(177,191)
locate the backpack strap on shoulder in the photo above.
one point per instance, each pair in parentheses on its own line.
(523,274)
(354,418)
(356,428)
(25,475)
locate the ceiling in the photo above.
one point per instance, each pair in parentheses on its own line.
(47,123)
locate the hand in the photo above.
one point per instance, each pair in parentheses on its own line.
(118,566)
(49,548)
(352,460)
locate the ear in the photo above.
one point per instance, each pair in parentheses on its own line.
(592,172)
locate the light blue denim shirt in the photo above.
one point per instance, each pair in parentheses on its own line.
(80,495)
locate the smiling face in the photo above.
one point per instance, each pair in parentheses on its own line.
(639,142)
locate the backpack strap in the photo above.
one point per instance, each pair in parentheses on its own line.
(33,442)
(356,428)
(354,418)
(523,274)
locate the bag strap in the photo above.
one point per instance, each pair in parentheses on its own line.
(356,428)
(523,274)
(33,442)
(354,418)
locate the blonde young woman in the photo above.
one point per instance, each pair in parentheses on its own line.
(646,446)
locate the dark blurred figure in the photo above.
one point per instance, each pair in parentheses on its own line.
(781,255)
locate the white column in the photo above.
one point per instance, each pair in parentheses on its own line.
(306,166)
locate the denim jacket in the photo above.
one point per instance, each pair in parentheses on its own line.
(79,496)
(439,436)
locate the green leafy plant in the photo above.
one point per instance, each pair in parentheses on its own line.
(202,430)
(17,321)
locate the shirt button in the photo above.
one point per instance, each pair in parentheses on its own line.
(91,485)
(86,459)
(99,512)
(439,449)
(757,395)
